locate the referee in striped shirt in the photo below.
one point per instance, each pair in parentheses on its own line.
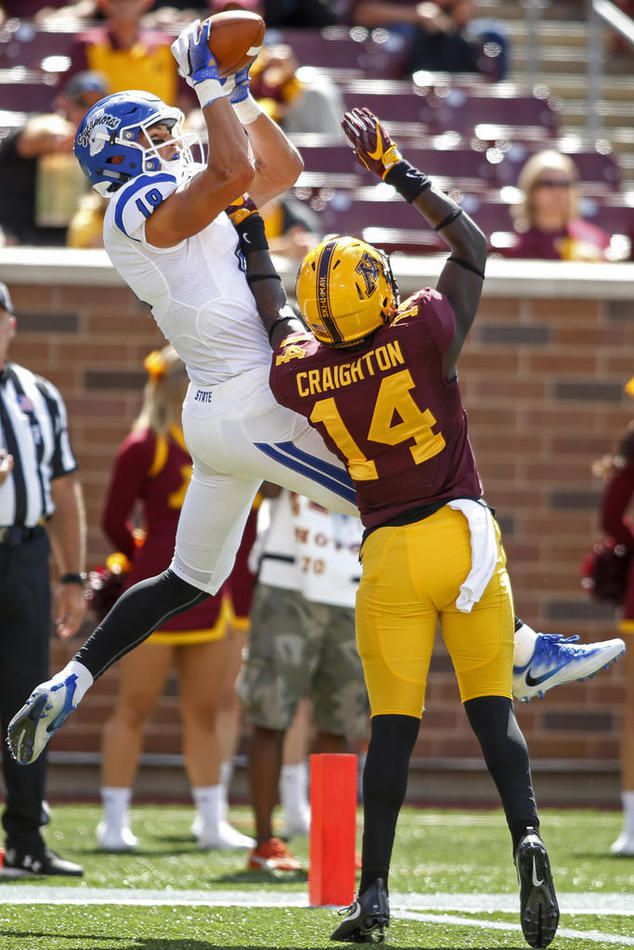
(40,508)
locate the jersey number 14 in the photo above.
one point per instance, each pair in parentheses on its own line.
(396,418)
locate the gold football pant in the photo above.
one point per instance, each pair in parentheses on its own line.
(410,581)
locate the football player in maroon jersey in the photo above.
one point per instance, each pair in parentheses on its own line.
(378,380)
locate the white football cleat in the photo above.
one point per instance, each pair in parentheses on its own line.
(557,660)
(223,837)
(46,709)
(116,839)
(623,847)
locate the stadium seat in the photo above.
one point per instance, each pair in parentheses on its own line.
(462,166)
(389,224)
(490,214)
(400,105)
(613,217)
(595,168)
(29,46)
(33,95)
(464,111)
(346,52)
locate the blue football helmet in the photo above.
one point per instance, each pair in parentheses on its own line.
(112,144)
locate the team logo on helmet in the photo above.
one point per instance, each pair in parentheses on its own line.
(369,270)
(100,122)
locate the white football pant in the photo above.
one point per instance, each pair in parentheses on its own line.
(238,437)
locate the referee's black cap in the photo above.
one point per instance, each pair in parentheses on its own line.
(5,299)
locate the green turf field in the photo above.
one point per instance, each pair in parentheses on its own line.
(452,886)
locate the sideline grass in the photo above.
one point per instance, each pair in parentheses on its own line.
(178,928)
(437,851)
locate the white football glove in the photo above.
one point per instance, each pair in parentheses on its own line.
(198,66)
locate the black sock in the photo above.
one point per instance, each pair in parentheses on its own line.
(140,611)
(506,754)
(384,786)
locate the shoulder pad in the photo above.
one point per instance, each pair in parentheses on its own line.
(137,200)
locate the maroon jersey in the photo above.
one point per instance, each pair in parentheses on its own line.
(386,410)
(154,472)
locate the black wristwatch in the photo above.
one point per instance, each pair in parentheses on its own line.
(79,578)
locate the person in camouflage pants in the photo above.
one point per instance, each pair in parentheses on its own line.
(302,642)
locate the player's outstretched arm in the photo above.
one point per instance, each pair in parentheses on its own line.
(229,170)
(262,277)
(462,276)
(277,162)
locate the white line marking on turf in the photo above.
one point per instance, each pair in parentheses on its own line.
(585,903)
(594,936)
(596,903)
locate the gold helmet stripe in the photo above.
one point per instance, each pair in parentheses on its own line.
(323,292)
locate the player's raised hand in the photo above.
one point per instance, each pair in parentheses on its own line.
(373,147)
(241,88)
(198,66)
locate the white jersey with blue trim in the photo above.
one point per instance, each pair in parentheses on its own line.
(197,289)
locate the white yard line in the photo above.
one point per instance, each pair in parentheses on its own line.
(584,903)
(592,936)
(595,903)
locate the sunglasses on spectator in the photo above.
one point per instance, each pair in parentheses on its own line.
(553,183)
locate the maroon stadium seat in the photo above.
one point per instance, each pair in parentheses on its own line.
(462,166)
(341,50)
(612,217)
(462,112)
(402,106)
(28,47)
(391,225)
(594,167)
(27,96)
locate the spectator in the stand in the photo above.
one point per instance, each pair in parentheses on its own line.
(130,56)
(153,468)
(444,36)
(546,220)
(38,173)
(617,499)
(311,103)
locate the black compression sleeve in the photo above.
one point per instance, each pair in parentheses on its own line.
(140,611)
(505,752)
(467,266)
(384,787)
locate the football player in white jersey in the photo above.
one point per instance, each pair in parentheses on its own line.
(166,233)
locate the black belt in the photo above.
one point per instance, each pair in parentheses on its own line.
(17,534)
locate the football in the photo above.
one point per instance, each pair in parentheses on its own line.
(235,39)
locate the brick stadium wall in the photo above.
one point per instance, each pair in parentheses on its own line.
(543,380)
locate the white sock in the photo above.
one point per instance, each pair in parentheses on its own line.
(116,802)
(208,800)
(226,774)
(525,639)
(84,679)
(628,814)
(294,789)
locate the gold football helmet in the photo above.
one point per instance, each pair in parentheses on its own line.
(345,290)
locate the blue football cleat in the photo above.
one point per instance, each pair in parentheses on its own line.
(557,660)
(47,708)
